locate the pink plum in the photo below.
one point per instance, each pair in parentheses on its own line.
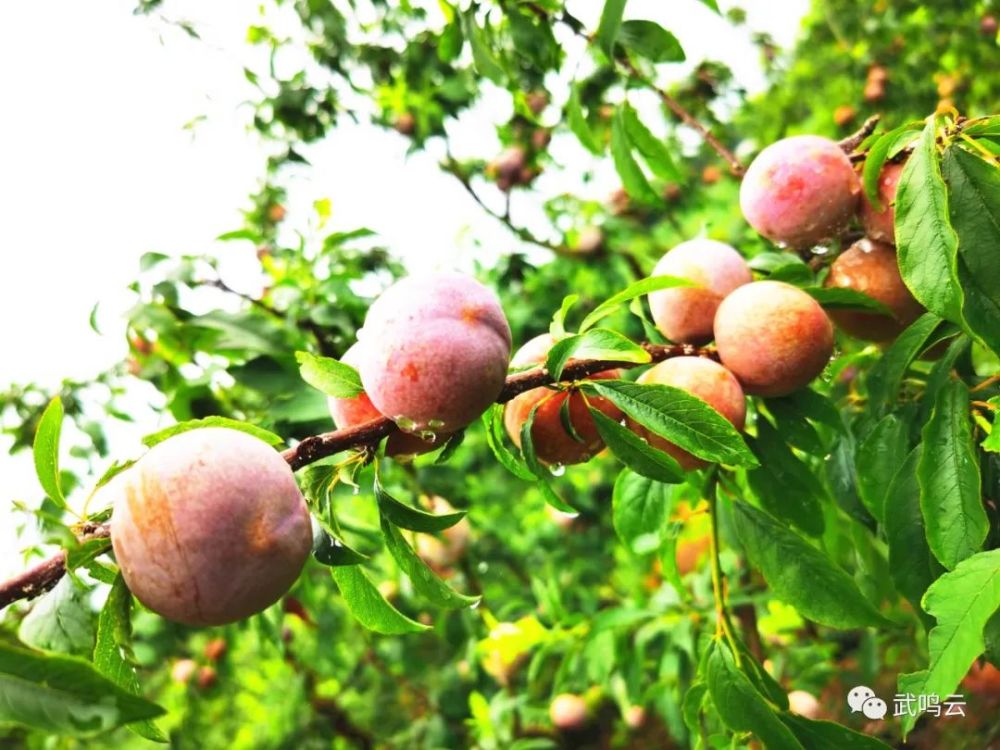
(800,191)
(774,337)
(435,351)
(685,314)
(880,225)
(209,527)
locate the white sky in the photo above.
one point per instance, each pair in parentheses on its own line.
(96,168)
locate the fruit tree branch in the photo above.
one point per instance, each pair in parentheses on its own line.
(855,139)
(43,576)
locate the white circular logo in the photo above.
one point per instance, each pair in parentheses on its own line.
(874,708)
(857,697)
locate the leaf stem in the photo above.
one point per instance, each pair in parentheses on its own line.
(721,612)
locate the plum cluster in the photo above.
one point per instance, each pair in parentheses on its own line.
(210,526)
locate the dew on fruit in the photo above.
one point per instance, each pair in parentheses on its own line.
(557,470)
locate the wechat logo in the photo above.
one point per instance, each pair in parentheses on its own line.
(863,699)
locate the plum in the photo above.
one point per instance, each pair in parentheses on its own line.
(704,378)
(434,352)
(568,712)
(879,225)
(349,412)
(871,267)
(685,314)
(209,527)
(800,191)
(773,337)
(552,443)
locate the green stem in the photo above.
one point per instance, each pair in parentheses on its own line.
(721,612)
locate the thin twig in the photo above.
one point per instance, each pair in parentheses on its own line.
(856,138)
(42,577)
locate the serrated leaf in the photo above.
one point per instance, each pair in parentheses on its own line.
(911,564)
(886,376)
(983,126)
(739,704)
(636,453)
(801,575)
(596,343)
(412,518)
(60,620)
(653,150)
(196,424)
(609,26)
(368,606)
(640,507)
(949,479)
(926,243)
(679,417)
(851,299)
(112,651)
(650,40)
(578,123)
(46,451)
(633,179)
(633,290)
(962,602)
(423,578)
(60,694)
(828,735)
(328,375)
(878,458)
(785,485)
(974,205)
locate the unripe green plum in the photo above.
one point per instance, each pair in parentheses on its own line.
(872,268)
(685,314)
(704,378)
(552,443)
(434,352)
(568,712)
(773,337)
(209,527)
(349,412)
(879,225)
(800,191)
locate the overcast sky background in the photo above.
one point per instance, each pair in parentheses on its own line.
(97,167)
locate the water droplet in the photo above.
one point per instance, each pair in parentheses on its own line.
(435,424)
(483,567)
(782,245)
(405,423)
(429,435)
(557,470)
(475,604)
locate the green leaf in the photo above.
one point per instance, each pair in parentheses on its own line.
(880,150)
(633,179)
(712,5)
(633,290)
(801,575)
(558,326)
(539,473)
(60,694)
(412,518)
(878,458)
(368,606)
(113,651)
(597,343)
(911,564)
(926,243)
(423,578)
(46,451)
(329,376)
(949,479)
(607,29)
(482,56)
(740,706)
(652,148)
(961,601)
(493,422)
(640,507)
(828,735)
(650,40)
(679,417)
(331,550)
(196,424)
(886,376)
(61,620)
(989,125)
(974,203)
(578,123)
(635,452)
(785,485)
(851,299)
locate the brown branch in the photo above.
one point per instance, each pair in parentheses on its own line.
(855,139)
(43,576)
(688,119)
